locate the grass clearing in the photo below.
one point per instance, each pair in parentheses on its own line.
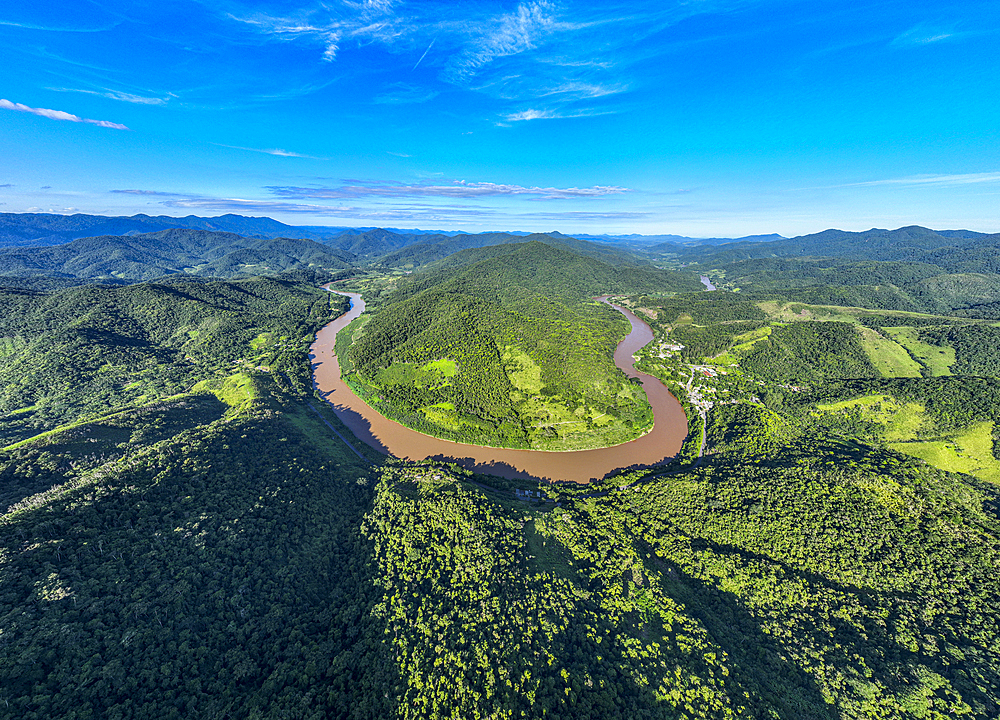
(797,312)
(744,342)
(933,357)
(902,421)
(237,391)
(444,414)
(310,425)
(523,372)
(445,368)
(970,452)
(435,374)
(888,357)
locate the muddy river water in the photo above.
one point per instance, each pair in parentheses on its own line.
(661,443)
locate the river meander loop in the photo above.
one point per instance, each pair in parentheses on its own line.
(660,444)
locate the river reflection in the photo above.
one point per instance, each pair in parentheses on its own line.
(662,443)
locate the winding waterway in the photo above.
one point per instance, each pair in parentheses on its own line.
(662,443)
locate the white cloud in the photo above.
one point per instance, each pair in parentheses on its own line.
(924,34)
(58,115)
(328,27)
(530,115)
(930,180)
(457,189)
(507,35)
(244,205)
(155,193)
(118,95)
(272,151)
(553,114)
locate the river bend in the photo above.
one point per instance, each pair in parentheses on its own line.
(662,443)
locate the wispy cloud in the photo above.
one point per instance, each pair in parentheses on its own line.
(52,28)
(328,27)
(579,89)
(272,151)
(507,35)
(118,95)
(457,189)
(154,193)
(924,34)
(58,115)
(927,181)
(552,114)
(411,213)
(245,205)
(560,57)
(531,115)
(405,94)
(7,185)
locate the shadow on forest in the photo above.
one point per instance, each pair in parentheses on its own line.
(59,457)
(777,686)
(220,574)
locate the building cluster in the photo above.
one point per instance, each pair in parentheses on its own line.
(531,495)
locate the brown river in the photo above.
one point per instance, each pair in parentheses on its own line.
(662,443)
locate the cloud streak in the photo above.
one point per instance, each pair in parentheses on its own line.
(117,95)
(457,189)
(923,34)
(407,213)
(245,205)
(273,151)
(58,115)
(405,94)
(928,181)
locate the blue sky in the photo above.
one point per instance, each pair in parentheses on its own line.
(702,118)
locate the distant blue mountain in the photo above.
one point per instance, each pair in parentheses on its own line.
(39,229)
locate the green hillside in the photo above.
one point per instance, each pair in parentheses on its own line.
(503,346)
(168,252)
(92,349)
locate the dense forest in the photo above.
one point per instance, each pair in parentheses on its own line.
(186,530)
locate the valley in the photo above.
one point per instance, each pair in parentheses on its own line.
(191,527)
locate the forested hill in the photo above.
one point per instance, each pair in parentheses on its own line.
(552,269)
(92,349)
(953,250)
(178,251)
(389,249)
(911,268)
(32,229)
(503,346)
(434,248)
